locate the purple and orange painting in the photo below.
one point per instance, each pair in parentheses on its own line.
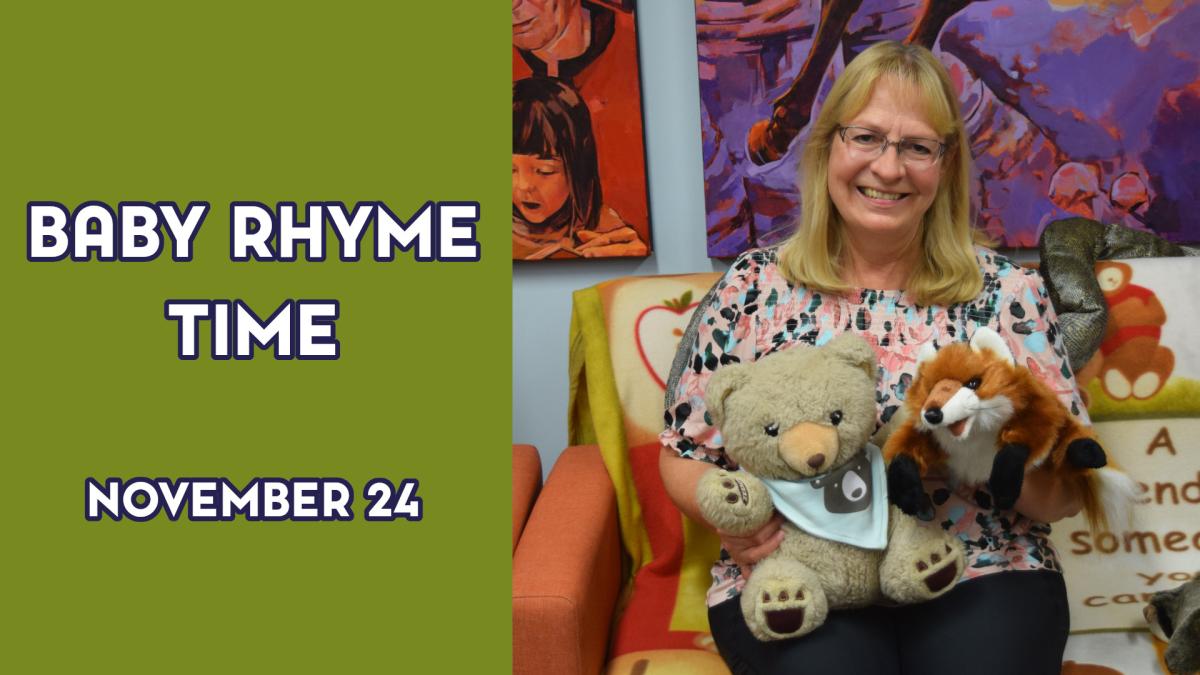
(1075,107)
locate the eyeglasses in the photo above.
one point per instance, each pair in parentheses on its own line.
(914,152)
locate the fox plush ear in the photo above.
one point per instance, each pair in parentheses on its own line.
(855,351)
(986,338)
(724,381)
(926,353)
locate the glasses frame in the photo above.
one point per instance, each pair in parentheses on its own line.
(842,129)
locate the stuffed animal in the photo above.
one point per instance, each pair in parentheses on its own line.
(1130,361)
(797,423)
(977,415)
(1174,617)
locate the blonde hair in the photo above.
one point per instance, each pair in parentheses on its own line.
(948,272)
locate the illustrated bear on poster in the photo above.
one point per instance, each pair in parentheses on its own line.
(1130,362)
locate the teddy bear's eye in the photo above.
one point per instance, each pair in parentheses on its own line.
(772,429)
(835,417)
(973,383)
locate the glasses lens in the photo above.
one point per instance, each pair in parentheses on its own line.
(863,139)
(919,151)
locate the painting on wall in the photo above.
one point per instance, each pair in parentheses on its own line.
(1074,107)
(579,162)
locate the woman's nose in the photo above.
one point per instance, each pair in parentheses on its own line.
(889,165)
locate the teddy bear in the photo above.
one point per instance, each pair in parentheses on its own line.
(1130,361)
(797,422)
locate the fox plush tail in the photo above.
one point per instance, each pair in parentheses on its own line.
(1108,498)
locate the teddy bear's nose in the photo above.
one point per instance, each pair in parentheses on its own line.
(808,447)
(933,415)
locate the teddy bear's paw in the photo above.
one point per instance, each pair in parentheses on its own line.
(735,502)
(783,607)
(922,571)
(941,569)
(783,613)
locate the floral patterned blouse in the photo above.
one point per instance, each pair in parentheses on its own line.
(758,312)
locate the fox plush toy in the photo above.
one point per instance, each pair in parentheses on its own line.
(975,414)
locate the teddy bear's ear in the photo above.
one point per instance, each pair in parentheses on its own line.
(724,381)
(855,351)
(986,338)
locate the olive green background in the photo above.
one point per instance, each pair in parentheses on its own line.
(399,101)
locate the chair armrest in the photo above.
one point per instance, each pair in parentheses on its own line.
(527,480)
(567,570)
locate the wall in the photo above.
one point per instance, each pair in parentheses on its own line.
(542,291)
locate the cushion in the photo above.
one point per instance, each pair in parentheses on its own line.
(624,335)
(1143,392)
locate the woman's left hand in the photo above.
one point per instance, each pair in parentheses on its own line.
(1045,497)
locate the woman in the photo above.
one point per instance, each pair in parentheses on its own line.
(558,210)
(885,249)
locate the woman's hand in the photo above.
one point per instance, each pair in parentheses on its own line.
(749,549)
(1047,498)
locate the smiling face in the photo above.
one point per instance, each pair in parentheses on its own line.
(540,186)
(882,196)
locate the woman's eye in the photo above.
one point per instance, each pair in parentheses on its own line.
(919,149)
(835,417)
(772,429)
(866,139)
(546,172)
(973,383)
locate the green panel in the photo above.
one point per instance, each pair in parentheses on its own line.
(399,102)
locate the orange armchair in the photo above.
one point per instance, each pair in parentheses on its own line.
(527,481)
(608,576)
(567,571)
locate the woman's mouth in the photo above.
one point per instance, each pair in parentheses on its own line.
(872,193)
(531,206)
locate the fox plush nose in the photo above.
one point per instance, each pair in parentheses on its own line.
(808,447)
(942,392)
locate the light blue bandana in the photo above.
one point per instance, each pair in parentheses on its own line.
(847,505)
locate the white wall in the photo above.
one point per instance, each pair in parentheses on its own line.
(542,291)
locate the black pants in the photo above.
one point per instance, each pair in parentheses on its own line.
(1005,623)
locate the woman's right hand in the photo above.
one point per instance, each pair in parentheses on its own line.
(747,550)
